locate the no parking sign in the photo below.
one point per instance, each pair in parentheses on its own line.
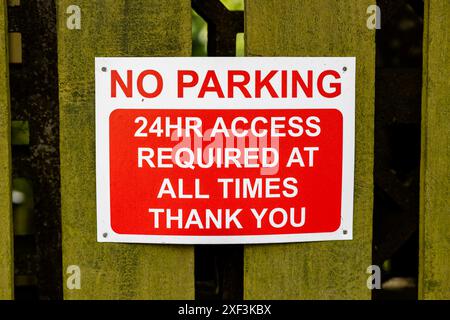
(224,150)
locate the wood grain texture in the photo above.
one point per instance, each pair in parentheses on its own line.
(434,270)
(6,239)
(112,28)
(327,270)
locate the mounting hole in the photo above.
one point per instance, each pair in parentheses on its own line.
(104,69)
(344,68)
(344,231)
(105,235)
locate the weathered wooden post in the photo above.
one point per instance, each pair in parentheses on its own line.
(6,238)
(332,270)
(111,28)
(434,273)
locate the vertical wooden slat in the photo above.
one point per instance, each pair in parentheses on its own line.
(327,270)
(434,274)
(6,240)
(15,47)
(112,28)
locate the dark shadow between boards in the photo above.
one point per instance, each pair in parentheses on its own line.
(397,148)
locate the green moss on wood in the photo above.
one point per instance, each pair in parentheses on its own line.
(112,28)
(328,270)
(6,251)
(434,270)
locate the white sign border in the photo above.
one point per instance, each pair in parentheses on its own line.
(104,105)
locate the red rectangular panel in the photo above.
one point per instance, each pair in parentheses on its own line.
(302,198)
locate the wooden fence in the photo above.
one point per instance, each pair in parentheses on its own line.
(331,270)
(6,232)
